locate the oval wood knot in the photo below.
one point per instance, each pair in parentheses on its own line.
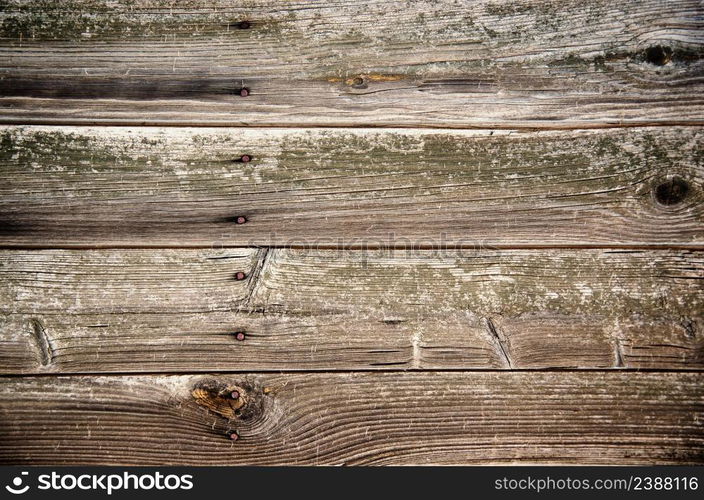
(671,192)
(658,55)
(232,401)
(357,81)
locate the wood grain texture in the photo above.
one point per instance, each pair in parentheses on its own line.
(452,210)
(69,311)
(439,63)
(174,187)
(360,418)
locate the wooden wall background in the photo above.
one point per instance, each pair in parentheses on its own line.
(468,232)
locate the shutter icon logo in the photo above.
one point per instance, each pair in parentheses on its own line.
(17,483)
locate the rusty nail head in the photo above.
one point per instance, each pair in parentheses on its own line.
(241,219)
(244,92)
(245,158)
(239,276)
(239,336)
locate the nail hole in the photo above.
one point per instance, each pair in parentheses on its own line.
(245,158)
(239,276)
(234,436)
(235,395)
(244,25)
(672,191)
(658,55)
(240,336)
(240,219)
(243,92)
(358,81)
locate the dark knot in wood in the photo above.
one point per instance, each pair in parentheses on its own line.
(672,191)
(240,401)
(658,55)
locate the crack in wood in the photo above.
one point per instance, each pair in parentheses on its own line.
(393,321)
(416,341)
(618,355)
(255,279)
(43,343)
(499,341)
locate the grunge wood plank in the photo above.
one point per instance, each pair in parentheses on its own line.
(70,311)
(173,187)
(489,63)
(354,418)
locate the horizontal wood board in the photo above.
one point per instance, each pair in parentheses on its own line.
(166,187)
(440,63)
(68,311)
(354,418)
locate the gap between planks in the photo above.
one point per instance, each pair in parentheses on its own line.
(615,247)
(293,371)
(518,126)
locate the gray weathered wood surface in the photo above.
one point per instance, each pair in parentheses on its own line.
(557,144)
(68,311)
(96,187)
(347,63)
(354,418)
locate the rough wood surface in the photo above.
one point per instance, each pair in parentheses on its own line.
(101,187)
(69,311)
(557,144)
(445,63)
(360,418)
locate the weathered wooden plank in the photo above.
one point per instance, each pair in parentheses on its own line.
(76,186)
(72,311)
(443,63)
(355,418)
